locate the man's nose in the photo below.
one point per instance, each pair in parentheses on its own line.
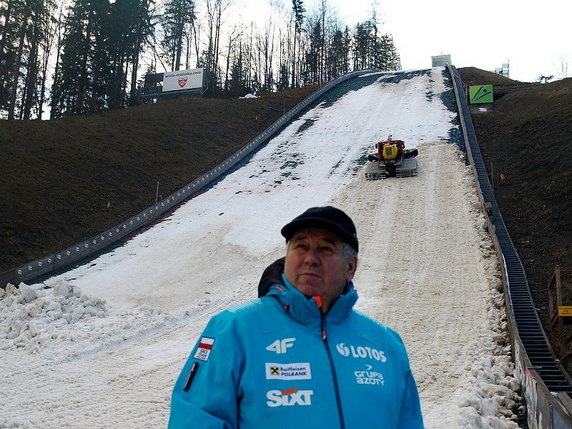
(312,257)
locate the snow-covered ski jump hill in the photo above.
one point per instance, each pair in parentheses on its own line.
(101,345)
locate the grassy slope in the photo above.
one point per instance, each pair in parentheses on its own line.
(66,180)
(525,138)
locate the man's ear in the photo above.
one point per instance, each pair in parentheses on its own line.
(352,267)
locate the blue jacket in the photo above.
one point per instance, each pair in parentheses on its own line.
(278,362)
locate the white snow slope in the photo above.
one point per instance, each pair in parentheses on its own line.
(100,346)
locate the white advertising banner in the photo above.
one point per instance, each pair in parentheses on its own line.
(183,79)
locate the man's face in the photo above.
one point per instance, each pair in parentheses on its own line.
(315,264)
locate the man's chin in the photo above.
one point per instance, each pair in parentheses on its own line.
(310,290)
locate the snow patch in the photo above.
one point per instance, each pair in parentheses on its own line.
(31,316)
(490,400)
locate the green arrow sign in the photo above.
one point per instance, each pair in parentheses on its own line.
(480,94)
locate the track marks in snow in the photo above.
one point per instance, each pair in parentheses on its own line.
(422,270)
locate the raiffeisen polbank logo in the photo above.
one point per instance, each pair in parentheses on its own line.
(361,352)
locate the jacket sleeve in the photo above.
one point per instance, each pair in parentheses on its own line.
(209,399)
(410,416)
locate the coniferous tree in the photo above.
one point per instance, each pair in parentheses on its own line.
(178,23)
(129,33)
(313,53)
(24,28)
(339,54)
(12,29)
(98,54)
(283,80)
(101,42)
(374,50)
(81,85)
(237,85)
(362,45)
(142,32)
(49,42)
(38,32)
(298,12)
(390,59)
(6,53)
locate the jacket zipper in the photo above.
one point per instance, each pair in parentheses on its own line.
(333,369)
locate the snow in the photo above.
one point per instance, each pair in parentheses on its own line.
(101,345)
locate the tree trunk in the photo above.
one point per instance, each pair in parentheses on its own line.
(16,71)
(294,59)
(6,28)
(135,65)
(32,75)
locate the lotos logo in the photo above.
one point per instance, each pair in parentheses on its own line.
(343,349)
(362,352)
(182,81)
(289,398)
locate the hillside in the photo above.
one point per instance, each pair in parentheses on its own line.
(66,180)
(525,142)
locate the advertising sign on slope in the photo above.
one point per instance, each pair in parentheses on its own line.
(480,94)
(183,80)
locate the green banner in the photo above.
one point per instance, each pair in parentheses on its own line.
(480,94)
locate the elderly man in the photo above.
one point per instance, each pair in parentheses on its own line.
(300,356)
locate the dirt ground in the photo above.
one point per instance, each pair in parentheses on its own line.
(64,181)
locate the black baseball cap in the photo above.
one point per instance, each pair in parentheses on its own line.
(328,218)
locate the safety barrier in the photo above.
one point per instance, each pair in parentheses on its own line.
(546,386)
(65,258)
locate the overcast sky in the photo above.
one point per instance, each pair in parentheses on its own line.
(534,38)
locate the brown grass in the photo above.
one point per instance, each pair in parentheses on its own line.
(66,180)
(525,138)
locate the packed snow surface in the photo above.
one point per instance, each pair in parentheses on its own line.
(100,346)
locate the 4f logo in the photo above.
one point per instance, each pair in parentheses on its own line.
(281,346)
(289,398)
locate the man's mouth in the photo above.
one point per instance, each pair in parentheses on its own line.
(310,274)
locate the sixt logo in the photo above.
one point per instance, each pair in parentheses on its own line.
(362,352)
(289,398)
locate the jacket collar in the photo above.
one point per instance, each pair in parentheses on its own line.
(306,311)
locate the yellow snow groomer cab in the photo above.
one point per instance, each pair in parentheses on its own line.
(390,151)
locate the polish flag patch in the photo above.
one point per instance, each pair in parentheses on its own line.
(204,349)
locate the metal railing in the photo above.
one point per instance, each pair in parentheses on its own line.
(546,385)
